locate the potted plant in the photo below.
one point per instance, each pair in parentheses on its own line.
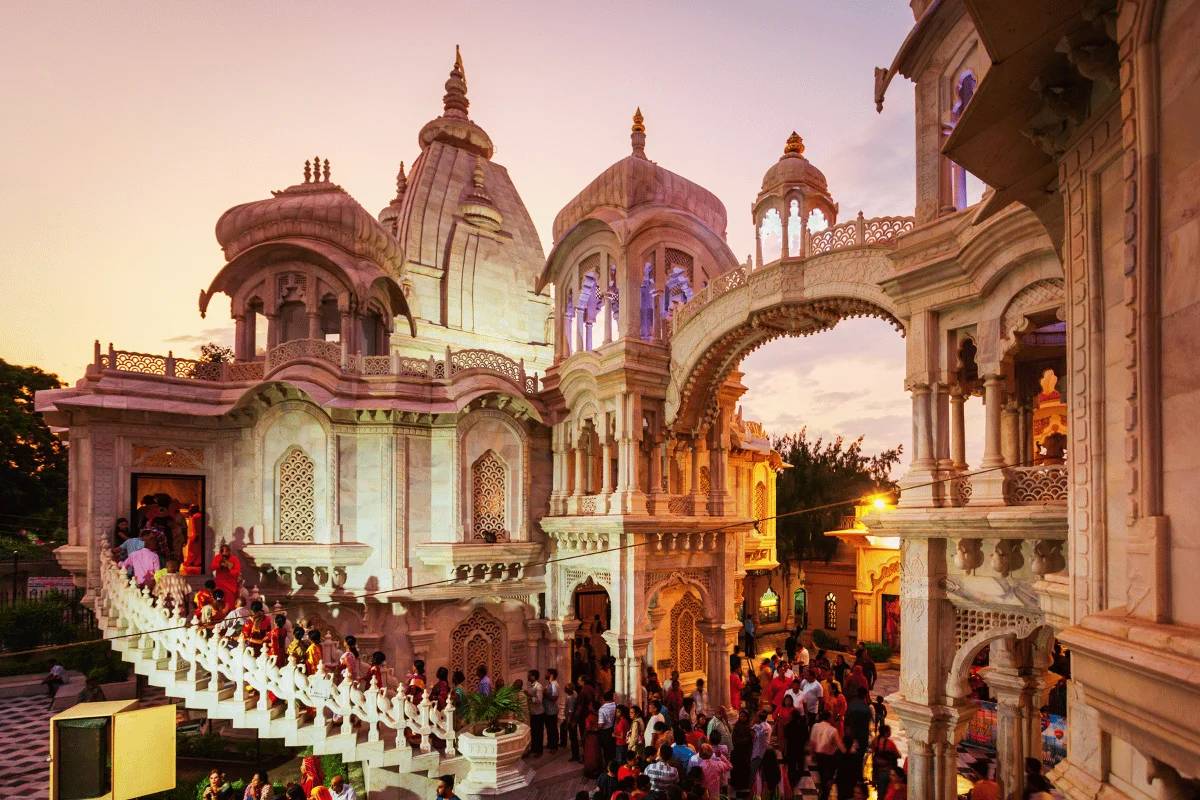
(485,711)
(494,743)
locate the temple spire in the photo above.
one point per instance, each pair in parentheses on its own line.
(401,182)
(794,145)
(637,134)
(454,102)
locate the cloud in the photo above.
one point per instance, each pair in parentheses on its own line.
(222,336)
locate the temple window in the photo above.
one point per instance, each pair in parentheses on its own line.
(297,497)
(293,321)
(795,228)
(489,488)
(589,306)
(705,485)
(649,291)
(800,607)
(831,612)
(768,606)
(760,500)
(678,289)
(770,233)
(817,221)
(967,189)
(677,259)
(372,334)
(688,650)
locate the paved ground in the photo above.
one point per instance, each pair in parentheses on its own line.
(25,744)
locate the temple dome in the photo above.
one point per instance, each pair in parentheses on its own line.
(636,181)
(793,169)
(314,209)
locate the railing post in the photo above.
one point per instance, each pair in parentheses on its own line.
(395,362)
(112,356)
(96,353)
(860,233)
(170,365)
(521,370)
(449,363)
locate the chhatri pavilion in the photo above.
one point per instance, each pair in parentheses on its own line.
(466,448)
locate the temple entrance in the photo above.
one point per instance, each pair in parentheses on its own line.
(172,505)
(593,616)
(889,613)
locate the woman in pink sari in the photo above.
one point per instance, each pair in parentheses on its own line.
(227,574)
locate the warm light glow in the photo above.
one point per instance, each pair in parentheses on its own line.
(883,542)
(879,503)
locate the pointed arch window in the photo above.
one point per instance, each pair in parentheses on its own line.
(296,483)
(688,650)
(489,498)
(768,607)
(760,501)
(800,607)
(831,612)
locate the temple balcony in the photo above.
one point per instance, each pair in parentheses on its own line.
(498,565)
(330,354)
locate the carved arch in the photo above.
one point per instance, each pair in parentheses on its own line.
(689,653)
(478,639)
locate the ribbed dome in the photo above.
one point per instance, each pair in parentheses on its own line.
(635,181)
(315,209)
(793,168)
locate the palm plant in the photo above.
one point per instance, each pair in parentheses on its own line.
(489,708)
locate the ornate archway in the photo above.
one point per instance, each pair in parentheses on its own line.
(689,653)
(478,639)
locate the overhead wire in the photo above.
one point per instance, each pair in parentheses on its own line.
(741,523)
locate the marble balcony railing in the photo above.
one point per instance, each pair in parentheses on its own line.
(1023,486)
(453,364)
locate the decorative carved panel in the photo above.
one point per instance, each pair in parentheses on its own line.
(489,489)
(297,498)
(478,639)
(688,650)
(167,457)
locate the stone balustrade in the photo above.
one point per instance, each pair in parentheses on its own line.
(453,364)
(1023,486)
(857,233)
(231,681)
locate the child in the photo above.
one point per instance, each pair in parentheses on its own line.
(880,711)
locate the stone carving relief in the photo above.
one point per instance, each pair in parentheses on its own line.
(478,639)
(160,456)
(688,650)
(489,490)
(297,498)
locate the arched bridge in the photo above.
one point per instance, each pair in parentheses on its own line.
(741,310)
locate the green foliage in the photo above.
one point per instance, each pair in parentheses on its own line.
(490,708)
(824,473)
(214,353)
(35,623)
(878,651)
(111,670)
(824,640)
(83,658)
(33,461)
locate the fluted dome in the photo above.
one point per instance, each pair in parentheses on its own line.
(635,181)
(793,168)
(314,209)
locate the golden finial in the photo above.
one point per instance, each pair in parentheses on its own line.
(794,145)
(458,65)
(638,120)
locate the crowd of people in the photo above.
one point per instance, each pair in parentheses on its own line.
(310,785)
(786,716)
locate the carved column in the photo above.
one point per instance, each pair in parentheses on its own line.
(605,467)
(940,400)
(699,500)
(719,639)
(988,488)
(273,331)
(1010,435)
(958,429)
(314,324)
(783,223)
(758,244)
(240,351)
(918,487)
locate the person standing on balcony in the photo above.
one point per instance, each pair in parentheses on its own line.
(227,574)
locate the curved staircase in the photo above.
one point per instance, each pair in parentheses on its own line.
(228,681)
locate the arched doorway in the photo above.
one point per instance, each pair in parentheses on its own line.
(592,612)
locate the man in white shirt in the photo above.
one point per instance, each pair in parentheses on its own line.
(657,717)
(537,720)
(796,693)
(550,709)
(811,687)
(605,717)
(762,740)
(341,789)
(803,657)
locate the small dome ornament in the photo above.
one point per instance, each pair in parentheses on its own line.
(637,136)
(795,145)
(454,102)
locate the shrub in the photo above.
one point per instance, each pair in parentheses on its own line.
(878,651)
(489,708)
(34,623)
(824,640)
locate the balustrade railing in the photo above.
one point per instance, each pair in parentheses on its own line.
(203,661)
(858,232)
(455,362)
(1040,485)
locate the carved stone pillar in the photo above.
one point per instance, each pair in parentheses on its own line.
(958,429)
(699,500)
(988,488)
(314,325)
(719,639)
(273,332)
(918,487)
(1010,433)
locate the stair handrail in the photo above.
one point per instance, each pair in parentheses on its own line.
(164,633)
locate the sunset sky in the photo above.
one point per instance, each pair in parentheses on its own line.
(130,127)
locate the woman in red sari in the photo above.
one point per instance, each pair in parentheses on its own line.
(193,559)
(735,690)
(227,573)
(593,759)
(311,774)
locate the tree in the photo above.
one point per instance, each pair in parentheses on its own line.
(824,473)
(33,461)
(213,353)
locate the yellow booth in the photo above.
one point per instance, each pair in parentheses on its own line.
(112,751)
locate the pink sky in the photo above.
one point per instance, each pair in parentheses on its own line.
(130,127)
